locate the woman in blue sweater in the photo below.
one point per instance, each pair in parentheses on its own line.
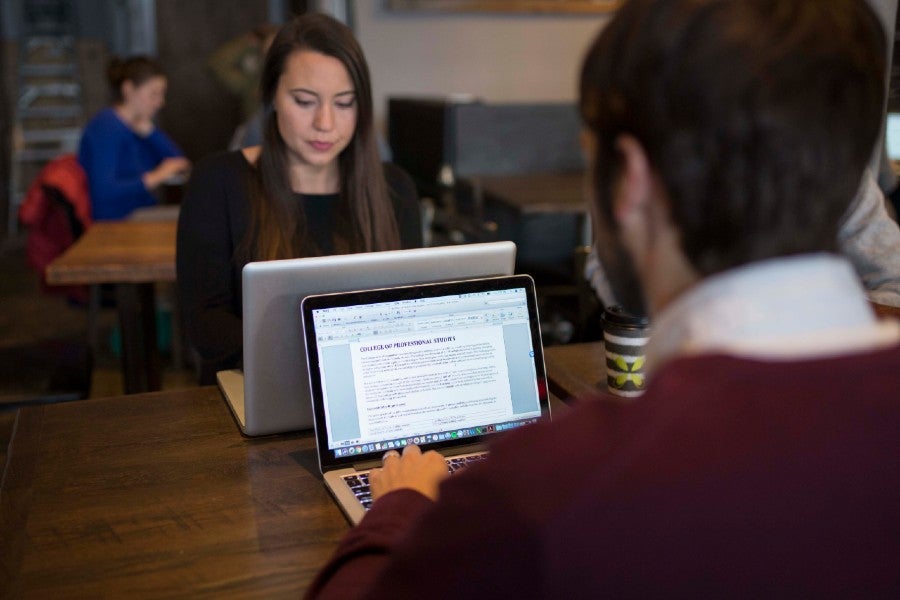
(126,157)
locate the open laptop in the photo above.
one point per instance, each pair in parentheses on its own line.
(271,393)
(445,366)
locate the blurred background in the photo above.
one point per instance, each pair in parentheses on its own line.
(473,99)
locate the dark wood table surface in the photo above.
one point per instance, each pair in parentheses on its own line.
(886,312)
(133,255)
(134,251)
(159,495)
(577,370)
(536,192)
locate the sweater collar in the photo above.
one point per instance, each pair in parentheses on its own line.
(801,307)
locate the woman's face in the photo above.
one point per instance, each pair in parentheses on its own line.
(315,106)
(146,99)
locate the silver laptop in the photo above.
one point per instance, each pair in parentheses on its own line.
(445,366)
(271,393)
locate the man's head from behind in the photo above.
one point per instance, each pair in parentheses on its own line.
(731,131)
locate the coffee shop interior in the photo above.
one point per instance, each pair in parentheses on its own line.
(465,128)
(494,152)
(476,104)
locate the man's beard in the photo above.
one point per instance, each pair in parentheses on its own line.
(619,268)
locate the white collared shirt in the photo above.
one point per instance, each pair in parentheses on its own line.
(801,307)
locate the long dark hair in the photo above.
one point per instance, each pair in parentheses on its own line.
(364,216)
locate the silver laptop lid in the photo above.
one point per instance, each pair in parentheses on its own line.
(276,389)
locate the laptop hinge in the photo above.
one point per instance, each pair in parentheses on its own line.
(367,465)
(454,451)
(467,449)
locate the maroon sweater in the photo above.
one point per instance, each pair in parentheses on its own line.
(729,477)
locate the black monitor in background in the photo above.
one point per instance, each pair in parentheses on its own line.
(450,146)
(516,139)
(469,138)
(419,135)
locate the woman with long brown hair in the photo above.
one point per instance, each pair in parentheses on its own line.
(316,185)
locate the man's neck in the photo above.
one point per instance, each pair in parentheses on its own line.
(664,270)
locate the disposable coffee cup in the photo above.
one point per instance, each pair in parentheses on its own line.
(625,339)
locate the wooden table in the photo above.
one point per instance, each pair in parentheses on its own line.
(577,370)
(546,214)
(537,192)
(882,311)
(159,495)
(133,255)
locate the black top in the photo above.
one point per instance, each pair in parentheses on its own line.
(213,220)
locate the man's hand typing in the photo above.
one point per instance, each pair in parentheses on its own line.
(414,470)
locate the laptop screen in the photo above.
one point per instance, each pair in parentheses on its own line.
(433,365)
(892,136)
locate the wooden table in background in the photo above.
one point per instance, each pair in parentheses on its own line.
(577,370)
(545,214)
(886,312)
(537,192)
(133,255)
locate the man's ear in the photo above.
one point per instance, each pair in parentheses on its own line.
(635,181)
(588,142)
(127,88)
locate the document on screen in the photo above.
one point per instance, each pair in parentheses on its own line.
(419,384)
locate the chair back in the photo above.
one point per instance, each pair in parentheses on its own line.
(55,212)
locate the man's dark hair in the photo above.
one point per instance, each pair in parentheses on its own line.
(759,116)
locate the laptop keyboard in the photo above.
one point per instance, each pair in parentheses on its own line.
(359,482)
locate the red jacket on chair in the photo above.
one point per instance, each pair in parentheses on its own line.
(56,210)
